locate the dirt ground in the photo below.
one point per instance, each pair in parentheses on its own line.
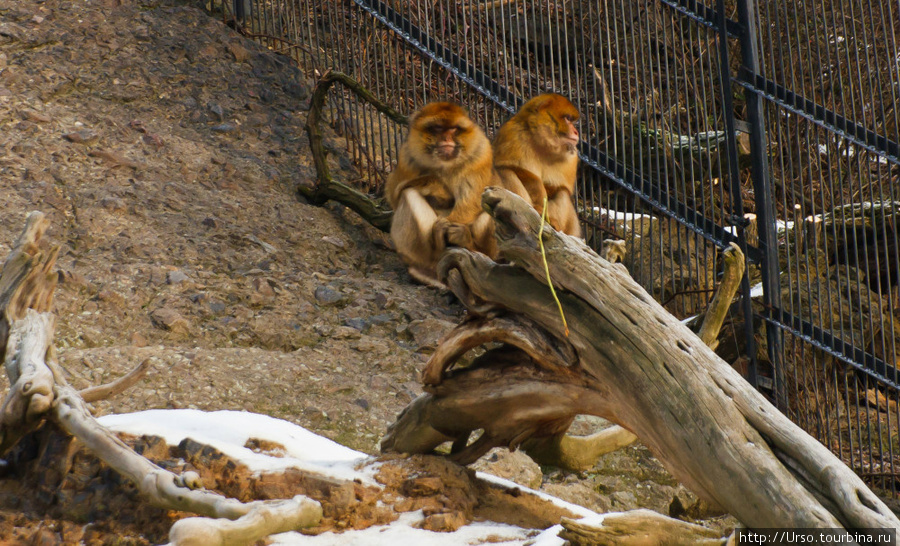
(165,150)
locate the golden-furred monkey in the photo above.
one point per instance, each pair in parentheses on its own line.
(535,154)
(444,166)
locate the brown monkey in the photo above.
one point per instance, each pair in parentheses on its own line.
(435,191)
(535,156)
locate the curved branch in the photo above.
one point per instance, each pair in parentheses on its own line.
(504,394)
(102,392)
(326,187)
(262,520)
(519,332)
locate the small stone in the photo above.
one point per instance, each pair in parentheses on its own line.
(113,204)
(109,296)
(263,287)
(357,323)
(85,136)
(371,345)
(223,128)
(383,318)
(176,277)
(345,332)
(216,110)
(333,241)
(240,53)
(422,486)
(514,466)
(327,295)
(138,340)
(624,500)
(362,402)
(158,275)
(314,415)
(443,523)
(153,140)
(169,319)
(73,279)
(211,221)
(36,117)
(428,332)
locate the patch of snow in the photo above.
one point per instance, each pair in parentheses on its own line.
(403,532)
(228,431)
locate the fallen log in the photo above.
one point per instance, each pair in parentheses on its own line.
(39,393)
(625,359)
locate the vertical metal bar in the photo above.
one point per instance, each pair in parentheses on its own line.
(765,209)
(766,223)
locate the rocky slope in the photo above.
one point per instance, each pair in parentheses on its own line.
(166,149)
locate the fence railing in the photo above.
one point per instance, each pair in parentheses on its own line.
(773,125)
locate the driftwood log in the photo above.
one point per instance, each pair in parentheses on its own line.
(626,359)
(40,393)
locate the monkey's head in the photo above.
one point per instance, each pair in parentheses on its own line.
(550,120)
(443,131)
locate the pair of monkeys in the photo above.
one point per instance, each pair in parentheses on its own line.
(447,162)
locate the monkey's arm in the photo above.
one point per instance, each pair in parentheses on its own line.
(413,233)
(398,182)
(561,213)
(509,180)
(524,183)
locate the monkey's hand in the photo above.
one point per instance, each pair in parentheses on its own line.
(453,233)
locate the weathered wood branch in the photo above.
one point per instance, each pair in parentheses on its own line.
(721,302)
(120,385)
(637,366)
(39,392)
(638,528)
(262,520)
(578,452)
(326,188)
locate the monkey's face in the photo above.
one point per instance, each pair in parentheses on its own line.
(550,121)
(560,127)
(442,135)
(443,139)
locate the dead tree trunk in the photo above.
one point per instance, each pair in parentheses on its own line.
(625,359)
(39,392)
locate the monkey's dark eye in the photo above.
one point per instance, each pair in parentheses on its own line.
(434,129)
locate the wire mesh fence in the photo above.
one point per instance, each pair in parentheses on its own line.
(769,124)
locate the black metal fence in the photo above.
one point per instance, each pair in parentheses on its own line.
(773,125)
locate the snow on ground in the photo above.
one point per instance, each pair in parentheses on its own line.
(228,431)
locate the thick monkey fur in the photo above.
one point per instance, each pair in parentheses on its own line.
(536,157)
(435,191)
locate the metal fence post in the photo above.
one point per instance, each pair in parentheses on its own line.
(764,197)
(734,177)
